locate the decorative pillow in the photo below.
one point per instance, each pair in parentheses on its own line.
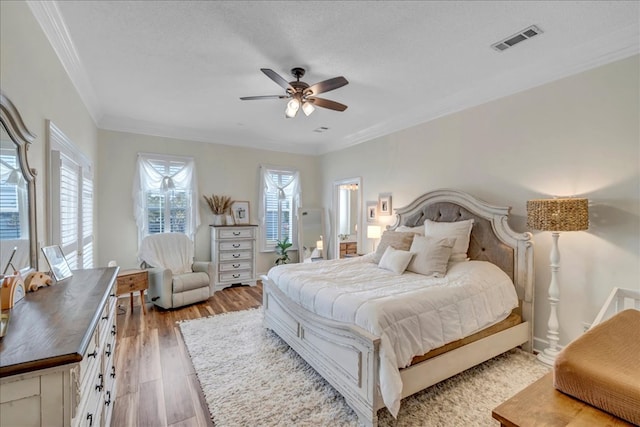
(395,260)
(416,230)
(396,240)
(459,230)
(430,255)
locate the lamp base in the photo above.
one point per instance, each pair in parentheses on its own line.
(548,356)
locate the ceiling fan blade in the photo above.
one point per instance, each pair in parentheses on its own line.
(326,86)
(252,98)
(326,103)
(277,78)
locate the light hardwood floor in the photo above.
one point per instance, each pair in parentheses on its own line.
(157,385)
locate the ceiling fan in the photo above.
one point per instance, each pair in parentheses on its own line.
(300,94)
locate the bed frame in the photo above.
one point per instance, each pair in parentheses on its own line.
(347,355)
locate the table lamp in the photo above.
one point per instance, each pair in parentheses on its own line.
(374,232)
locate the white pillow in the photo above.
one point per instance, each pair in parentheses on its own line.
(431,255)
(417,230)
(459,230)
(395,260)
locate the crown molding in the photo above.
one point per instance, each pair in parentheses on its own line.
(50,19)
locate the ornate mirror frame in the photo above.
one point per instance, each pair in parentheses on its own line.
(22,137)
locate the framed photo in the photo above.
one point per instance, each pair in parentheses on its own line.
(57,262)
(384,204)
(240,210)
(372,211)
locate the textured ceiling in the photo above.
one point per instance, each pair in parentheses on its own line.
(177,69)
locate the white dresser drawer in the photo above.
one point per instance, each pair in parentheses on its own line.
(235,276)
(233,256)
(235,246)
(234,266)
(245,233)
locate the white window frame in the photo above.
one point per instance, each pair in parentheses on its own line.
(149,179)
(291,192)
(63,155)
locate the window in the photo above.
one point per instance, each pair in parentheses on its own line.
(279,200)
(71,190)
(11,196)
(165,193)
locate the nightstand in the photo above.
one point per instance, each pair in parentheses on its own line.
(130,281)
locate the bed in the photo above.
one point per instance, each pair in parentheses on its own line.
(349,356)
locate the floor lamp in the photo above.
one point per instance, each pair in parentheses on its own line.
(556,215)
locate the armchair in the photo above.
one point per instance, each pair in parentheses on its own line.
(174,279)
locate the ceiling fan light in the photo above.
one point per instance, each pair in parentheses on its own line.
(308,108)
(292,108)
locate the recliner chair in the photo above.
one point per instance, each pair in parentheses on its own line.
(175,280)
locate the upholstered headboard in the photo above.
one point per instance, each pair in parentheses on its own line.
(484,245)
(492,239)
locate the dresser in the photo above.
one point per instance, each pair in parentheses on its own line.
(233,253)
(348,249)
(57,365)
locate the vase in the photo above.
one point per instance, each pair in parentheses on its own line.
(218,219)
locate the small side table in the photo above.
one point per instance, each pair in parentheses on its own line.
(130,281)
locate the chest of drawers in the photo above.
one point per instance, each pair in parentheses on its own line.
(233,253)
(57,364)
(348,249)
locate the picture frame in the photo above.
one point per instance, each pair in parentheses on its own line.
(241,212)
(384,204)
(372,212)
(57,262)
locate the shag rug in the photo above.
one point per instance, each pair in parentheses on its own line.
(250,377)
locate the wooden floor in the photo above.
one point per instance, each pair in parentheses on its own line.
(156,383)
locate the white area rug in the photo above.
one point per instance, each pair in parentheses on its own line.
(250,377)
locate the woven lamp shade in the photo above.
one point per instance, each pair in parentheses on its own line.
(567,214)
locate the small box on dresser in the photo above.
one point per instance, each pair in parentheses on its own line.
(233,253)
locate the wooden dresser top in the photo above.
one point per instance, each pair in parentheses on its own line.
(53,326)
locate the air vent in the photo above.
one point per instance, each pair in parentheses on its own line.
(513,40)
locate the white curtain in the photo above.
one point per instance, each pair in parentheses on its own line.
(290,189)
(181,176)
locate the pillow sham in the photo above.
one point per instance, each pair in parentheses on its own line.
(395,260)
(416,230)
(395,239)
(459,230)
(430,255)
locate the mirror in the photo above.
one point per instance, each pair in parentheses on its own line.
(347,212)
(311,234)
(18,241)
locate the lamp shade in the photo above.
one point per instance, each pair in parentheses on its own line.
(563,214)
(373,232)
(319,245)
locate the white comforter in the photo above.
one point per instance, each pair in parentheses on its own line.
(412,314)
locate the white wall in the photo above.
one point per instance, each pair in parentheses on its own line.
(221,169)
(575,136)
(33,78)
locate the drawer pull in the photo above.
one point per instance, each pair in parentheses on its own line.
(100,386)
(105,317)
(235,276)
(94,354)
(113,330)
(108,351)
(90,419)
(112,295)
(108,401)
(236,245)
(236,233)
(236,265)
(236,255)
(113,371)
